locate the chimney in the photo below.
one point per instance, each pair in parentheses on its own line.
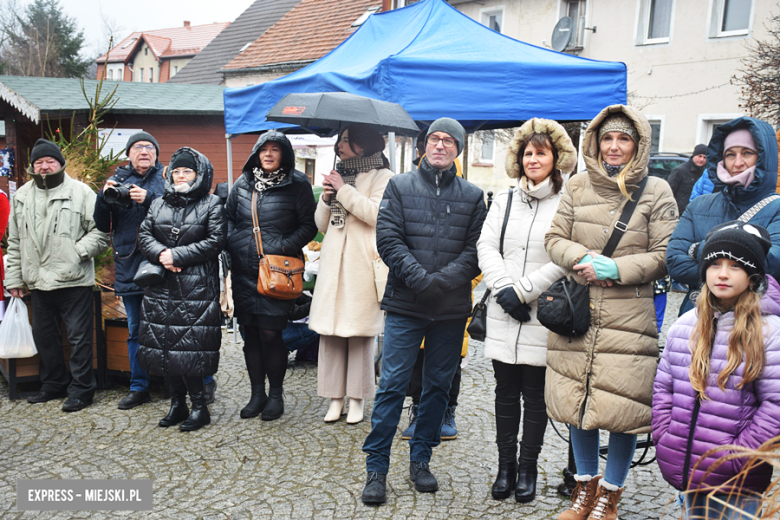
(186,23)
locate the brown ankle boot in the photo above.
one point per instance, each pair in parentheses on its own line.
(582,498)
(605,504)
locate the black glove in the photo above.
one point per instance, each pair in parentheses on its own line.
(522,313)
(508,300)
(431,294)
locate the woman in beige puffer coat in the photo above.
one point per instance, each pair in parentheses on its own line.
(345,309)
(604,379)
(541,156)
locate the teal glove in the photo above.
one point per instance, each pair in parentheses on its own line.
(586,259)
(606,268)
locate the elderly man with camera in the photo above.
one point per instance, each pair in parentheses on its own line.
(120,208)
(52,240)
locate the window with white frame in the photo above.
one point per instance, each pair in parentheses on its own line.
(175,70)
(151,75)
(731,18)
(110,75)
(492,18)
(488,141)
(575,9)
(707,123)
(655,21)
(140,74)
(656,128)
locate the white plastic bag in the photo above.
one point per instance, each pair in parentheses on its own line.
(16,339)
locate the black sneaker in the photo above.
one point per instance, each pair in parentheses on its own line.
(423,479)
(134,399)
(374,490)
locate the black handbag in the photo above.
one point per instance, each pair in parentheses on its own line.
(477,328)
(149,274)
(564,308)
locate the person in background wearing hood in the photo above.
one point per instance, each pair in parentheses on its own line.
(718,383)
(285,212)
(603,380)
(427,230)
(345,309)
(122,219)
(682,180)
(516,271)
(742,163)
(180,333)
(52,241)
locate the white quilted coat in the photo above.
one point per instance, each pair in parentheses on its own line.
(525,266)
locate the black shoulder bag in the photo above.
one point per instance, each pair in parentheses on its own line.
(477,328)
(564,308)
(153,274)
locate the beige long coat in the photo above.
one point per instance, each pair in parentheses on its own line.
(345,300)
(604,379)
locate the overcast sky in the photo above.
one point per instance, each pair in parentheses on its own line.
(143,15)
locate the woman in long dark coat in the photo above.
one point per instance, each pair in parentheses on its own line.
(180,331)
(285,213)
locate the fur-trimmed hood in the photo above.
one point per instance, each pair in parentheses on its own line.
(567,153)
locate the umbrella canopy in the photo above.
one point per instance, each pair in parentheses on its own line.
(325,113)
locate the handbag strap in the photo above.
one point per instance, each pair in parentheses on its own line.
(506,221)
(256,227)
(746,216)
(622,224)
(176,229)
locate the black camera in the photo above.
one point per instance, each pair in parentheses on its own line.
(119,195)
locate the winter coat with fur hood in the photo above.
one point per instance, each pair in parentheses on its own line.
(346,303)
(180,331)
(685,427)
(525,265)
(285,213)
(604,379)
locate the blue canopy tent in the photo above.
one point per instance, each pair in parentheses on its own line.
(435,61)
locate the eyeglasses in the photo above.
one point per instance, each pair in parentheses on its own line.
(448,142)
(184,172)
(142,147)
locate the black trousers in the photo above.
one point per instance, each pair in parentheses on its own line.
(73,306)
(512,381)
(415,384)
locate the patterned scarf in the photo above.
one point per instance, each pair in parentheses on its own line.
(349,169)
(263,180)
(612,170)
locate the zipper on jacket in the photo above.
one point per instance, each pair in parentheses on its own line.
(694,418)
(525,263)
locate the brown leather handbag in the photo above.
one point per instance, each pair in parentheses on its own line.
(278,276)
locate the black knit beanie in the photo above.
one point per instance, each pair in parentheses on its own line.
(700,149)
(745,244)
(183,160)
(449,126)
(141,136)
(45,148)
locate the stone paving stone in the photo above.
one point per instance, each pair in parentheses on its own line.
(295,467)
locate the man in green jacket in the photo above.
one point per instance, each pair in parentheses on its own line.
(52,240)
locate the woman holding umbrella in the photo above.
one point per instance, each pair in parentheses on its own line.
(285,211)
(345,310)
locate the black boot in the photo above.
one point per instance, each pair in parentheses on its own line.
(179,410)
(199,417)
(507,428)
(507,471)
(274,408)
(256,402)
(526,481)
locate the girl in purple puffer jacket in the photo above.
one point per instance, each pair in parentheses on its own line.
(718,382)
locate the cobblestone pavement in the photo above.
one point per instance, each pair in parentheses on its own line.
(295,467)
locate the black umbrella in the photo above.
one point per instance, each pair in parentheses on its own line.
(325,113)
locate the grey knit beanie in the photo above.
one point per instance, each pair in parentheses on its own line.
(141,136)
(449,126)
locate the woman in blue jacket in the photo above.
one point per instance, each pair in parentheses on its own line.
(742,161)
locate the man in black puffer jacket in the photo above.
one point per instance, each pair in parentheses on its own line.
(427,231)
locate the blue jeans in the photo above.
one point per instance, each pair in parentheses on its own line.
(586,454)
(298,335)
(403,335)
(139,377)
(699,506)
(660,309)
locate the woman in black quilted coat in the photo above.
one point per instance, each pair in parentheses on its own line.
(285,212)
(180,331)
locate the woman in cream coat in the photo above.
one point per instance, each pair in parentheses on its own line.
(541,155)
(345,310)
